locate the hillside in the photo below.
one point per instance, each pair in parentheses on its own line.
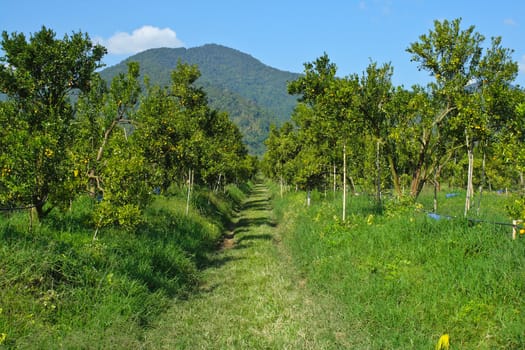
(252,93)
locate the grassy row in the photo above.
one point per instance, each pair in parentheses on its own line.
(61,289)
(406,279)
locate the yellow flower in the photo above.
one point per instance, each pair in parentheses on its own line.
(443,343)
(48,152)
(2,337)
(109,278)
(522,231)
(75,172)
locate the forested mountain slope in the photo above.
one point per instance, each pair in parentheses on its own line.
(252,93)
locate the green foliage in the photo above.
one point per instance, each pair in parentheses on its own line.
(516,208)
(179,132)
(467,83)
(119,146)
(510,146)
(254,95)
(61,283)
(334,114)
(302,153)
(38,76)
(408,138)
(281,148)
(252,120)
(114,167)
(58,286)
(405,278)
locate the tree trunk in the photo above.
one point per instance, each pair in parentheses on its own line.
(395,176)
(418,180)
(38,206)
(352,184)
(107,134)
(93,178)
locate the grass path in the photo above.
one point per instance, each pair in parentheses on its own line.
(251,297)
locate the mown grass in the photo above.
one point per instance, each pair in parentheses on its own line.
(406,279)
(61,289)
(252,297)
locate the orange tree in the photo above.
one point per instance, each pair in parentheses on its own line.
(39,77)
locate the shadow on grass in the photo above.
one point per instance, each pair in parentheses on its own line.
(240,234)
(248,241)
(261,237)
(246,224)
(257,204)
(216,261)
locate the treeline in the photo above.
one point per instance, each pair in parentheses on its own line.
(226,69)
(470,116)
(253,94)
(64,132)
(252,120)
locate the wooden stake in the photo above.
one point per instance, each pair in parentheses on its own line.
(308,198)
(378,173)
(470,190)
(190,180)
(515,227)
(281,184)
(344,182)
(435,191)
(30,219)
(335,178)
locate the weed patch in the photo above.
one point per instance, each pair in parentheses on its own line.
(407,278)
(59,288)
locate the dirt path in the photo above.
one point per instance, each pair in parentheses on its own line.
(251,298)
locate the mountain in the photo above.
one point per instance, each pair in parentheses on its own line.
(253,94)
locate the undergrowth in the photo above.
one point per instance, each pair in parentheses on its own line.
(405,278)
(59,288)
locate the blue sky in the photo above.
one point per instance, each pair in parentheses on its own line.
(282,34)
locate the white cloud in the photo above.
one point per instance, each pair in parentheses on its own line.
(143,38)
(382,7)
(510,22)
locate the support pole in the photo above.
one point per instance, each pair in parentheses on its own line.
(344,182)
(190,180)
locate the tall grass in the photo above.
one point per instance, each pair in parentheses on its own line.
(407,279)
(61,289)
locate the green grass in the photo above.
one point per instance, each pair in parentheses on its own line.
(408,279)
(295,277)
(60,289)
(252,297)
(491,205)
